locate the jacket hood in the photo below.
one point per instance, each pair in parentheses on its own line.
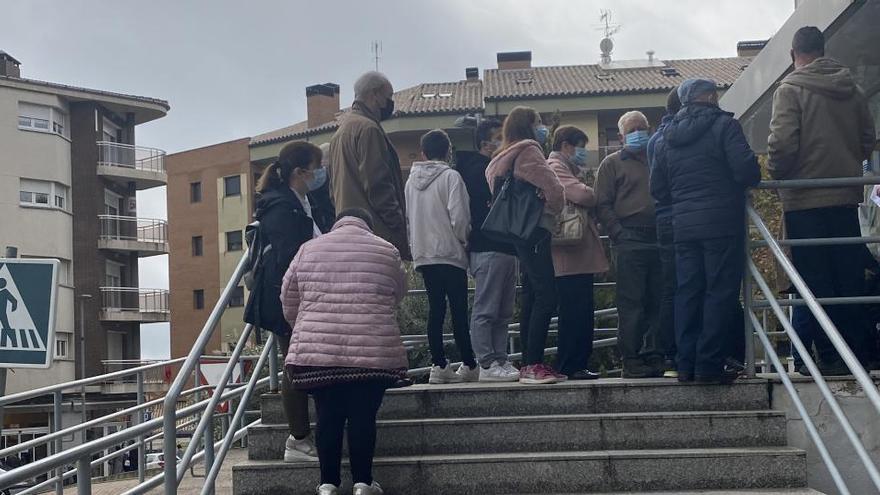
(516,148)
(825,76)
(275,197)
(690,123)
(422,174)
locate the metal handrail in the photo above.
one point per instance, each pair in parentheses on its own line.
(127,156)
(120,228)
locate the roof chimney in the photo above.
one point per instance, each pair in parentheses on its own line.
(750,48)
(472,74)
(9,67)
(650,54)
(322,103)
(514,60)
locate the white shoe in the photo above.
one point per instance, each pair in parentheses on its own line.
(469,374)
(365,489)
(497,373)
(300,450)
(443,375)
(327,489)
(511,369)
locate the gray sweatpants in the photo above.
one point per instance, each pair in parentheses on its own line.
(495,290)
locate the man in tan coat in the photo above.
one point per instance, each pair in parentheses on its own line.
(821,127)
(364,167)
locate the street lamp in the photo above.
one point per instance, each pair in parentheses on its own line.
(82,354)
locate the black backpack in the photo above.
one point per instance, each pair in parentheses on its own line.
(257,249)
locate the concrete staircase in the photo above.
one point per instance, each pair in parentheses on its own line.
(608,436)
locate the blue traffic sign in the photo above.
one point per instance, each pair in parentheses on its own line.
(27,312)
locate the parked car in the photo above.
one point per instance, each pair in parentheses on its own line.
(156,461)
(11,490)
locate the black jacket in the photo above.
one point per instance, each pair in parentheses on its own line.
(285,225)
(702,166)
(323,211)
(472,168)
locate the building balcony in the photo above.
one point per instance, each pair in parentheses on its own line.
(126,163)
(134,304)
(146,236)
(156,380)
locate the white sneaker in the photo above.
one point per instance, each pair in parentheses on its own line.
(365,489)
(327,489)
(497,373)
(469,374)
(443,375)
(300,450)
(511,369)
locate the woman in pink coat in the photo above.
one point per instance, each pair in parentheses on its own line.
(575,264)
(339,296)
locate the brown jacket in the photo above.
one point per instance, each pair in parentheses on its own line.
(365,173)
(623,193)
(821,127)
(587,256)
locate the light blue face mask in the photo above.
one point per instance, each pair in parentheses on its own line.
(319,179)
(580,156)
(636,140)
(541,133)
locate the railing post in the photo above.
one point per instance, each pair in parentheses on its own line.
(84,476)
(273,366)
(242,403)
(208,438)
(747,298)
(141,453)
(56,427)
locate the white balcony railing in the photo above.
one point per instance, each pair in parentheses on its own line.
(131,156)
(120,228)
(135,300)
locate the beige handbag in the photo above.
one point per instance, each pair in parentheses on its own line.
(570,225)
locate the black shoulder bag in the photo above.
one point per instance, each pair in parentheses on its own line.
(515,212)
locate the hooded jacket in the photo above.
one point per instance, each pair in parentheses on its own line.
(821,127)
(437,206)
(365,173)
(702,167)
(588,255)
(529,165)
(339,295)
(285,226)
(663,210)
(472,165)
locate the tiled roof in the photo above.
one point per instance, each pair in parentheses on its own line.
(584,80)
(298,130)
(96,92)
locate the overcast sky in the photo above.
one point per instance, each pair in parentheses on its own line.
(234,69)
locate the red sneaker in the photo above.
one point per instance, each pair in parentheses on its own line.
(537,374)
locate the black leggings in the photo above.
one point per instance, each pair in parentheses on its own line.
(356,404)
(444,282)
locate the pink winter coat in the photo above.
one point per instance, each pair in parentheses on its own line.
(339,296)
(532,168)
(587,256)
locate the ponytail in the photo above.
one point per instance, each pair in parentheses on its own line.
(298,154)
(272,178)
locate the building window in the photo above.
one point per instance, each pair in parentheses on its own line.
(197,248)
(42,194)
(236,299)
(42,118)
(233,241)
(62,345)
(232,185)
(195,192)
(199,299)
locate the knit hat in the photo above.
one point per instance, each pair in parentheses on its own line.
(689,90)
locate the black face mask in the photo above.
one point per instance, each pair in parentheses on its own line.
(386,111)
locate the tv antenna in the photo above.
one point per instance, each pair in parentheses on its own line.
(376,49)
(610,28)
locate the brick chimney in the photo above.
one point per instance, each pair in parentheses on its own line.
(9,67)
(514,60)
(750,48)
(472,74)
(322,103)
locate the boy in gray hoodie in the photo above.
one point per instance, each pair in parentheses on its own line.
(438,217)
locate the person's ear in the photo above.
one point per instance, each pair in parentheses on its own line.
(422,156)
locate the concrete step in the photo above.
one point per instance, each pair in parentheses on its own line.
(625,431)
(611,395)
(551,472)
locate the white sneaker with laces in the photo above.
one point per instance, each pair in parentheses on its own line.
(511,369)
(468,374)
(327,489)
(365,489)
(443,375)
(497,373)
(300,450)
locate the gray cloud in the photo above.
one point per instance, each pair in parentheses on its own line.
(232,69)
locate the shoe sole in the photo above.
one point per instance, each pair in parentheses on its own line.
(443,382)
(298,456)
(670,374)
(500,379)
(535,381)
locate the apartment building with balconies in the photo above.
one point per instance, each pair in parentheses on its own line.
(69,174)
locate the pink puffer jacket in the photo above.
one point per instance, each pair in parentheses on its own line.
(339,296)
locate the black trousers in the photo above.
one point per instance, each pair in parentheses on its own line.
(444,282)
(638,293)
(356,405)
(295,402)
(709,275)
(575,342)
(537,265)
(831,271)
(666,324)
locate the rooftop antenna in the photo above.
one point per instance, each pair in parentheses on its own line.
(376,49)
(610,28)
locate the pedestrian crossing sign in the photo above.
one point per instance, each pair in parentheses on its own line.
(27,312)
